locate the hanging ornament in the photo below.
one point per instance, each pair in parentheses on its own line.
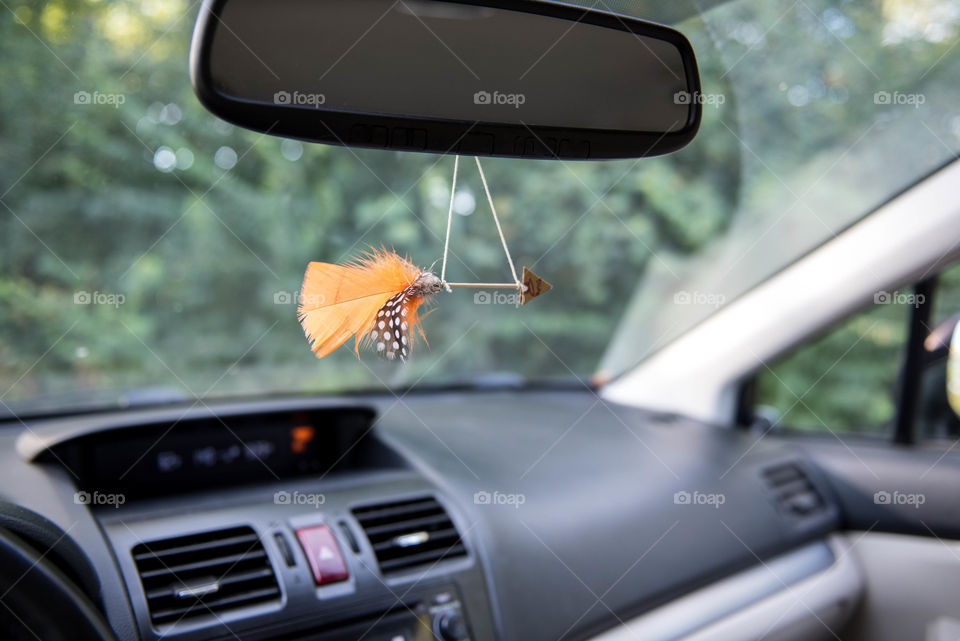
(376,297)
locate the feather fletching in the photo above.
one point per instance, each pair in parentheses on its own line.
(371,298)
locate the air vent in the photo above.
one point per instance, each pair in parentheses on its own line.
(793,490)
(406,534)
(204,574)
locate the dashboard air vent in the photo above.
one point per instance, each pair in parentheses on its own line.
(204,574)
(405,534)
(792,489)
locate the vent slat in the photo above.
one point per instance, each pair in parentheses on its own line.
(783,474)
(224,570)
(378,513)
(423,558)
(223,600)
(198,608)
(791,488)
(234,578)
(206,564)
(794,491)
(411,533)
(393,529)
(248,539)
(439,535)
(167,602)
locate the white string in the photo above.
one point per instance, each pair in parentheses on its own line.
(446,242)
(497,221)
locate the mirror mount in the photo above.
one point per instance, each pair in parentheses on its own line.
(248,75)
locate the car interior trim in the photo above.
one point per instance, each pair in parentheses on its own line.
(819,583)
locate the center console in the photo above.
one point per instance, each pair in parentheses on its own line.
(282,526)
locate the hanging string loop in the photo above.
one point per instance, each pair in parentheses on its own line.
(496,220)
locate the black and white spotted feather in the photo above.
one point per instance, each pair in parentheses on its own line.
(390,335)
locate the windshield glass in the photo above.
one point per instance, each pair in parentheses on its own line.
(151,251)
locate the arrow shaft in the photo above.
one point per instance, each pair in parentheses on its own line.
(483,285)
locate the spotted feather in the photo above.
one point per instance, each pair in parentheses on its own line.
(375,298)
(390,335)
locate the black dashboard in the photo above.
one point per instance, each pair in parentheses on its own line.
(502,515)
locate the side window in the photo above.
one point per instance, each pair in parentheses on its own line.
(843,380)
(850,378)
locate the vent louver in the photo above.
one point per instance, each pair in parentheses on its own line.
(793,490)
(406,534)
(204,574)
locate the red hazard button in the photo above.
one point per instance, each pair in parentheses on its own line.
(323,554)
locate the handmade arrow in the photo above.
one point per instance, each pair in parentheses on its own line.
(376,297)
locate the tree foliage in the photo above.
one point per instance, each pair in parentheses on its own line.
(204,229)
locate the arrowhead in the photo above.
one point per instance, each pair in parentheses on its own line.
(533,286)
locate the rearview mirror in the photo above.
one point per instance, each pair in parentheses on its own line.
(516,78)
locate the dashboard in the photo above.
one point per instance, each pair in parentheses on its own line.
(456,516)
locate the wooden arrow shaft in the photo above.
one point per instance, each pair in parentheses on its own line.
(484,285)
(529,287)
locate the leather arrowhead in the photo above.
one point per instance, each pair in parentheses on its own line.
(533,286)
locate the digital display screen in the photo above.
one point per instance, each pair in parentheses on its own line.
(196,454)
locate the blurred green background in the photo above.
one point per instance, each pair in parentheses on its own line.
(144,243)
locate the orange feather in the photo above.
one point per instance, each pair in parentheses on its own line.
(374,295)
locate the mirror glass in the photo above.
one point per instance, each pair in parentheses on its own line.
(452,61)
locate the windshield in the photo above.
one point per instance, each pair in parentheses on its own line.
(151,251)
